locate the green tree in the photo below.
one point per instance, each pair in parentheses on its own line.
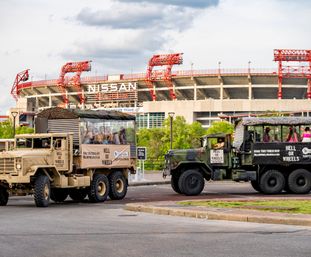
(221,127)
(157,140)
(7,130)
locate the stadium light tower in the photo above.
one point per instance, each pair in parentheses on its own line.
(291,71)
(78,68)
(20,77)
(167,60)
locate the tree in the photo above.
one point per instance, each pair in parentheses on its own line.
(221,127)
(7,130)
(157,140)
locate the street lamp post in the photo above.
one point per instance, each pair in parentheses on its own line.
(14,114)
(249,67)
(171,114)
(219,67)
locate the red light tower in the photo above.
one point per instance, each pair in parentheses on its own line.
(160,60)
(77,67)
(290,71)
(22,76)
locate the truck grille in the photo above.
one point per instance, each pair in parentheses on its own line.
(6,165)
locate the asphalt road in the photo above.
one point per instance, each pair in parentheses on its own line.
(212,190)
(85,229)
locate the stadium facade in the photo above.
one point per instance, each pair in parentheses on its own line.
(200,95)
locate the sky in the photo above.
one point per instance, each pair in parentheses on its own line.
(120,36)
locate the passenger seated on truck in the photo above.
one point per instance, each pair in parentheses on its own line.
(108,136)
(116,137)
(220,143)
(266,136)
(292,136)
(306,136)
(122,136)
(98,137)
(257,137)
(88,136)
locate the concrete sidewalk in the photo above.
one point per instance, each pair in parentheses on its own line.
(149,178)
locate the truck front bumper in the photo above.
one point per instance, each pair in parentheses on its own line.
(166,172)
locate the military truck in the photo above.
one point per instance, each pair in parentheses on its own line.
(271,162)
(73,152)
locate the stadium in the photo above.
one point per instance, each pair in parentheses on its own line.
(198,95)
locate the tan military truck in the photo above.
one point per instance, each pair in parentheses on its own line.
(81,153)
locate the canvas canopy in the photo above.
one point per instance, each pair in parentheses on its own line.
(61,113)
(252,121)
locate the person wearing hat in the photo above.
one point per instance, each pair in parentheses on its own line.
(266,137)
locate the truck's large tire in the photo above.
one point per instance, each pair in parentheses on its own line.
(99,188)
(4,196)
(118,186)
(272,182)
(174,183)
(299,181)
(59,194)
(42,191)
(78,195)
(191,182)
(255,185)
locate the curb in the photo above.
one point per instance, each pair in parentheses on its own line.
(213,215)
(148,183)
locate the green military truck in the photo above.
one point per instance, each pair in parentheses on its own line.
(261,152)
(73,152)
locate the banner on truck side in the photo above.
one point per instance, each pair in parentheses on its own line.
(282,152)
(105,156)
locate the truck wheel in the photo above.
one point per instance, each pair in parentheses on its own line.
(42,191)
(255,185)
(78,195)
(4,196)
(59,194)
(272,182)
(191,182)
(118,186)
(99,188)
(174,183)
(299,181)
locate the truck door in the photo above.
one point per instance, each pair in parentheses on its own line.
(61,157)
(218,154)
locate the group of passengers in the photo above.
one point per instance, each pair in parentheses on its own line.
(104,136)
(292,135)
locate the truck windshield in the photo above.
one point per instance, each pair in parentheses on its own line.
(33,143)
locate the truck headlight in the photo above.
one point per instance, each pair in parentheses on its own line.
(18,164)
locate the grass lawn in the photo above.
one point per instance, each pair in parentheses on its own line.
(288,206)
